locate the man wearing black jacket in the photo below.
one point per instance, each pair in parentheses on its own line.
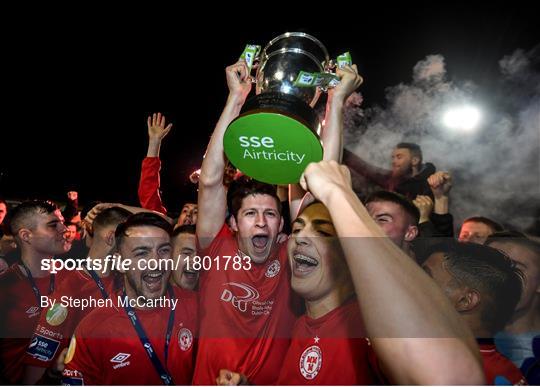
(408,175)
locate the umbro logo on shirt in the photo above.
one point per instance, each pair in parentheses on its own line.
(33,311)
(120,360)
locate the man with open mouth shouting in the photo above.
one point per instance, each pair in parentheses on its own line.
(248,309)
(147,335)
(244,285)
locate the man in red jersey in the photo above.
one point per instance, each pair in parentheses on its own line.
(247,315)
(328,343)
(39,230)
(416,334)
(484,286)
(147,335)
(57,323)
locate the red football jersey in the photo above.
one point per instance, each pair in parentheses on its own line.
(20,312)
(106,350)
(246,315)
(330,350)
(497,368)
(57,324)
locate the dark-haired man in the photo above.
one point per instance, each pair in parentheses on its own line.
(484,287)
(147,335)
(38,229)
(413,346)
(523,330)
(247,314)
(57,323)
(408,175)
(396,215)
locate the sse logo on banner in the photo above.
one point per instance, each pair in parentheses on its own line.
(43,348)
(270,147)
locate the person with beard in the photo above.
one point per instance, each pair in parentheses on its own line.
(408,175)
(38,229)
(145,343)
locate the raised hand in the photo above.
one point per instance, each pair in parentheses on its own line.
(238,80)
(425,206)
(323,177)
(156,127)
(440,183)
(350,80)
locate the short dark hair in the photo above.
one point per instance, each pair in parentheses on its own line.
(489,271)
(138,220)
(517,238)
(184,229)
(415,149)
(400,200)
(488,222)
(243,187)
(110,217)
(23,216)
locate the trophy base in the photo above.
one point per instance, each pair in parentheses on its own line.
(274,138)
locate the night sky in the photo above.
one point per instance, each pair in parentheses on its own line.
(77,90)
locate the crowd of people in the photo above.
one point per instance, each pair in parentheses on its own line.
(312,283)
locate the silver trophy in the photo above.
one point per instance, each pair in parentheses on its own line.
(281,112)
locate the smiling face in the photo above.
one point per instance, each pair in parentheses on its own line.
(146,246)
(257,225)
(184,249)
(315,255)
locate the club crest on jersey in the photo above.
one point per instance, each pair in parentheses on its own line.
(56,315)
(311,362)
(273,269)
(185,339)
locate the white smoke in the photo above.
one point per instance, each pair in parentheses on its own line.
(497,167)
